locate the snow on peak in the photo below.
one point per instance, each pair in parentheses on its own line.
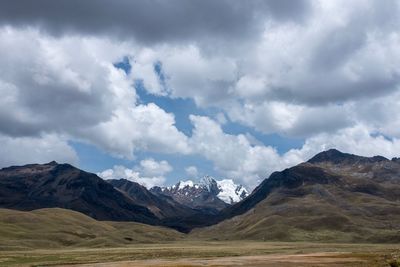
(225,189)
(183,184)
(208,182)
(229,192)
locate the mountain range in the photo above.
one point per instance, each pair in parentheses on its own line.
(208,194)
(52,185)
(37,186)
(334,196)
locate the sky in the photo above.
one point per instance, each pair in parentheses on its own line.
(161,91)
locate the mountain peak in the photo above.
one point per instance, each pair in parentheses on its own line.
(183,184)
(206,191)
(330,155)
(229,192)
(207,180)
(209,183)
(336,157)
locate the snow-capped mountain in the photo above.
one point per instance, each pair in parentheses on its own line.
(228,191)
(207,193)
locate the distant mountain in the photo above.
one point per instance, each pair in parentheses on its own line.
(162,206)
(208,194)
(334,196)
(51,185)
(172,213)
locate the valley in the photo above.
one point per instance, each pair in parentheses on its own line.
(336,209)
(203,133)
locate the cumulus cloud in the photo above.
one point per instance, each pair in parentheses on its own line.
(192,171)
(52,84)
(323,71)
(357,140)
(298,78)
(143,127)
(294,120)
(334,57)
(41,149)
(237,157)
(150,167)
(69,86)
(148,173)
(188,71)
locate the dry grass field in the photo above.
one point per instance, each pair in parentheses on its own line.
(57,237)
(201,253)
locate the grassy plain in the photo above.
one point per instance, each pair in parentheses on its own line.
(57,237)
(202,253)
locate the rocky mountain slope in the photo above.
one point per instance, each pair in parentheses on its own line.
(162,206)
(51,185)
(208,194)
(170,212)
(333,197)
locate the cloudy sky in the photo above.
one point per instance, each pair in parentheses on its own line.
(158,91)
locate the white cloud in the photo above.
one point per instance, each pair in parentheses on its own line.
(150,167)
(190,74)
(43,149)
(357,140)
(250,86)
(143,127)
(266,117)
(331,77)
(68,86)
(192,172)
(237,157)
(294,120)
(297,79)
(148,173)
(143,69)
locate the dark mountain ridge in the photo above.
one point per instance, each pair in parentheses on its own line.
(333,196)
(334,156)
(324,168)
(51,185)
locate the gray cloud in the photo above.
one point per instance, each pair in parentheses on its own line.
(46,89)
(326,71)
(152,21)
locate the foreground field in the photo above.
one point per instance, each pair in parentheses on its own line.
(195,253)
(57,237)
